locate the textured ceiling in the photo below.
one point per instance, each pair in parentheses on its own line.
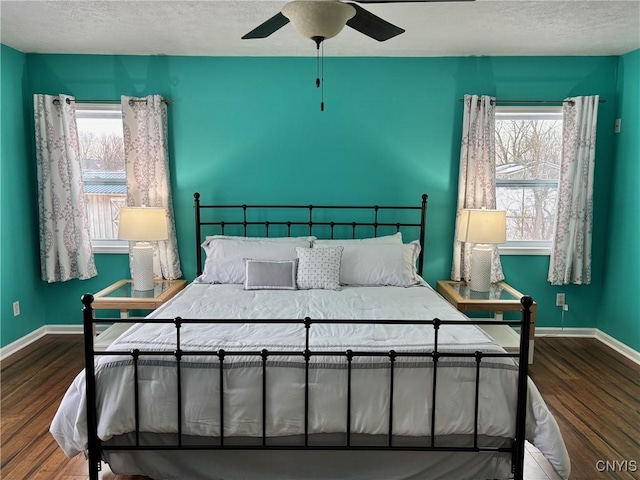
(214,28)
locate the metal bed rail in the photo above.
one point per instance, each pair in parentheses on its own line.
(95,446)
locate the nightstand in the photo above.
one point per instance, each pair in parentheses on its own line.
(121,296)
(500,298)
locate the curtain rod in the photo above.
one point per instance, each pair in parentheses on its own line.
(110,101)
(530,101)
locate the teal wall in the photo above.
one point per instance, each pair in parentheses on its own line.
(619,314)
(250,130)
(20,267)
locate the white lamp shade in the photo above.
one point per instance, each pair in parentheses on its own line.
(313,18)
(143,224)
(482,226)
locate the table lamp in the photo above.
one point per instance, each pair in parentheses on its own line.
(142,225)
(482,227)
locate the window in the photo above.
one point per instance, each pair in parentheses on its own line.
(103,172)
(528,152)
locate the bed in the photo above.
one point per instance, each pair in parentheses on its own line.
(292,356)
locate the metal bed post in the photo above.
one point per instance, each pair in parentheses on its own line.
(478,356)
(423,229)
(264,354)
(221,355)
(521,409)
(93,442)
(178,354)
(436,358)
(307,358)
(244,221)
(196,200)
(136,393)
(349,355)
(392,360)
(375,220)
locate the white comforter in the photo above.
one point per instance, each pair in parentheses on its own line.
(328,375)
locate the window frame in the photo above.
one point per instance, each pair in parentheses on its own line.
(528,112)
(104,245)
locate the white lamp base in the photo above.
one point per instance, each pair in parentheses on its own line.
(142,266)
(481,267)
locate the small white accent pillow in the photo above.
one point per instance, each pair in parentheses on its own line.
(396,239)
(225,256)
(380,264)
(319,268)
(270,274)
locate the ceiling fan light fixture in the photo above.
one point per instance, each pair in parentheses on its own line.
(318,18)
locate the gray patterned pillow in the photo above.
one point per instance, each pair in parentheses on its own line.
(319,268)
(270,274)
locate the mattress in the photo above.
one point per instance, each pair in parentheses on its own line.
(285,390)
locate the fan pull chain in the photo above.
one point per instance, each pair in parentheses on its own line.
(322,80)
(320,68)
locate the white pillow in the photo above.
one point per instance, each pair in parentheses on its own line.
(225,256)
(319,268)
(396,239)
(380,264)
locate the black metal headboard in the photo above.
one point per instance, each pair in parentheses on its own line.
(310,223)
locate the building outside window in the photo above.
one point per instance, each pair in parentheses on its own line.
(528,151)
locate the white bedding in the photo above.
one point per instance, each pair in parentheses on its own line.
(285,377)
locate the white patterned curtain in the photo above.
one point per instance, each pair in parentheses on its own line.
(65,241)
(147,164)
(477,180)
(570,260)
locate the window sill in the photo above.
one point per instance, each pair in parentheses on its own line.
(524,250)
(110,246)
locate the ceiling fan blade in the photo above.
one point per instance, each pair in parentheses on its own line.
(411,1)
(274,24)
(372,25)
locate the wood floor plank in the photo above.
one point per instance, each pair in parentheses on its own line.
(592,392)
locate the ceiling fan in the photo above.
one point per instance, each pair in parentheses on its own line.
(323,19)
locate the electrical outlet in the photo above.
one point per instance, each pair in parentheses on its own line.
(559,299)
(618,125)
(16,309)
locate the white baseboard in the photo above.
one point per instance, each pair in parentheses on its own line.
(608,340)
(618,346)
(37,334)
(19,344)
(565,332)
(65,329)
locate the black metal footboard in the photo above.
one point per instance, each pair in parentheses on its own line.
(516,449)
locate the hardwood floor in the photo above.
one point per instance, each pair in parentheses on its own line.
(594,395)
(593,392)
